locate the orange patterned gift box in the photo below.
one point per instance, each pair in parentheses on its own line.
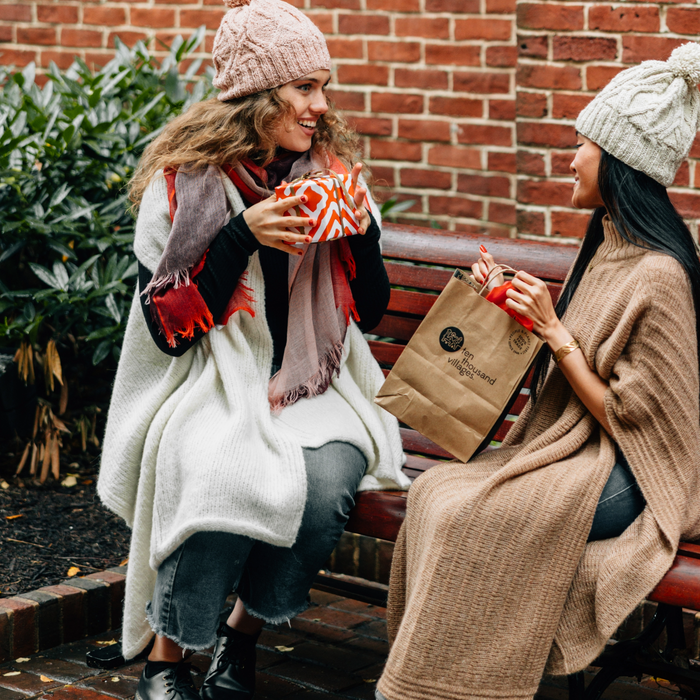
(329,203)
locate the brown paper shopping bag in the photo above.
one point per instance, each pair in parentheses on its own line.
(461,369)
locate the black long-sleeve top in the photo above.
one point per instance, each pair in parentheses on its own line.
(228,258)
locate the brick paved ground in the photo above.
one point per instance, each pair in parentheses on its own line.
(336,649)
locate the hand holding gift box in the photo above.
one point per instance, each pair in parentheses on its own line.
(329,202)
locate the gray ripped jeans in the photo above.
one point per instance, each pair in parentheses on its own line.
(273,582)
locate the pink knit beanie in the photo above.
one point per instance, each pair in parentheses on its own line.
(265,43)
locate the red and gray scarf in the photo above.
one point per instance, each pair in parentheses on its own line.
(320,299)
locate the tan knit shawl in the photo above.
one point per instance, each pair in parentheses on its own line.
(492,579)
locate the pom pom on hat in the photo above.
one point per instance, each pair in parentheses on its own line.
(646,117)
(685,62)
(236,3)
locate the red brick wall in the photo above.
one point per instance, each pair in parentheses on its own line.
(567,52)
(464,106)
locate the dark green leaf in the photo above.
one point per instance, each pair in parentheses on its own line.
(12,250)
(29,311)
(101,351)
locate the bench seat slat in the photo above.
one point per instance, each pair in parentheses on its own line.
(420,464)
(689,550)
(413,441)
(681,585)
(378,514)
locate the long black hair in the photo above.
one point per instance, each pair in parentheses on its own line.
(643,215)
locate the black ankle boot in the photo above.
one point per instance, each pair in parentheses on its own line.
(231,675)
(174,682)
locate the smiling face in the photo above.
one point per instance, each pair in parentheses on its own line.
(585,166)
(308,100)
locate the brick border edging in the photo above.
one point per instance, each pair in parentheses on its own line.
(52,615)
(84,606)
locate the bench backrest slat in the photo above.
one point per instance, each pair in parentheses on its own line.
(550,261)
(398,327)
(418,276)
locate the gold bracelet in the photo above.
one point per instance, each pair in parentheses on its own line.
(564,350)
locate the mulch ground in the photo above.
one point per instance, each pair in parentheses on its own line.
(47,530)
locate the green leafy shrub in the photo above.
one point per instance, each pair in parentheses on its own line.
(67,268)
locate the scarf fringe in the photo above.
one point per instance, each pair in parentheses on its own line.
(173,280)
(180,312)
(241,300)
(315,385)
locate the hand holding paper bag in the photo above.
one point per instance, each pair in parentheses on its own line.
(461,370)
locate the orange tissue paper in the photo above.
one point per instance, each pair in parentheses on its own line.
(498,297)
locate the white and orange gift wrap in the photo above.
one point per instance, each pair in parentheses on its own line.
(329,202)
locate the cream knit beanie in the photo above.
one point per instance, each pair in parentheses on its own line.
(262,44)
(647,116)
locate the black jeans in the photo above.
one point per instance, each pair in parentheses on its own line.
(619,504)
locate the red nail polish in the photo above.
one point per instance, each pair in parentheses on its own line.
(312,222)
(304,198)
(482,249)
(308,239)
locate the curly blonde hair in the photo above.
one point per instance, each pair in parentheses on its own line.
(214,133)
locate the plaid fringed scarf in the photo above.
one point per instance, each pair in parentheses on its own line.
(320,299)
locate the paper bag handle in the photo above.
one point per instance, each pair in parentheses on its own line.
(496,268)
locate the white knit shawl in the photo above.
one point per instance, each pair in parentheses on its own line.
(191,444)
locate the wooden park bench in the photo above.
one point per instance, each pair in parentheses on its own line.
(419,262)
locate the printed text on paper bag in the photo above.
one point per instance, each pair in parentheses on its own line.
(465,366)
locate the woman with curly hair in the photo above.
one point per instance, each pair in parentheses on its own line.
(242,423)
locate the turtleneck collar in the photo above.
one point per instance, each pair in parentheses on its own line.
(614,246)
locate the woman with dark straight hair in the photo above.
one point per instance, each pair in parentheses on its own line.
(639,208)
(529,557)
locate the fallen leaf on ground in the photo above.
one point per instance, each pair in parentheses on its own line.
(69,481)
(316,619)
(115,679)
(12,673)
(124,563)
(4,484)
(108,643)
(45,679)
(283,648)
(73,571)
(369,680)
(22,659)
(12,517)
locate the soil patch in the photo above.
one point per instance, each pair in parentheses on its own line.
(45,530)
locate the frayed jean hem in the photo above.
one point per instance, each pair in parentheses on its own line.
(161,632)
(275,619)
